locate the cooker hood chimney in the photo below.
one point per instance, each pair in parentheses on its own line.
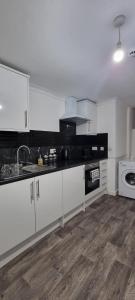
(71,111)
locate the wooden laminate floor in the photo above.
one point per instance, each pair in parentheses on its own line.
(93,258)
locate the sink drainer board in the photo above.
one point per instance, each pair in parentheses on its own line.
(36,168)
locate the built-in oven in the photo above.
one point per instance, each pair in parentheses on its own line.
(92,177)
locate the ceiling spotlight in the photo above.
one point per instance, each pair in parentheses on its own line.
(119,53)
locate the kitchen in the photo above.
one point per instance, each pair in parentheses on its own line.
(66,211)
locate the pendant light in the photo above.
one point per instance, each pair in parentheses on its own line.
(119,53)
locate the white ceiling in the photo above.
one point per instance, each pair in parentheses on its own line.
(67,45)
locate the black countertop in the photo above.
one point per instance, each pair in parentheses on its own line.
(54,167)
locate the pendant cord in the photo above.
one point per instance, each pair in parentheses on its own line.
(119,35)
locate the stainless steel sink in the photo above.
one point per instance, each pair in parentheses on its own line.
(11,171)
(14,170)
(36,168)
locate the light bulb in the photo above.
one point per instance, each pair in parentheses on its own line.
(118,55)
(1,107)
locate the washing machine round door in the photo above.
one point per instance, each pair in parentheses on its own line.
(128,178)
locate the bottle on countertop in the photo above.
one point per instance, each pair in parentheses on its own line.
(40,160)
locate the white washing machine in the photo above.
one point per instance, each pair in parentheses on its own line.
(127,178)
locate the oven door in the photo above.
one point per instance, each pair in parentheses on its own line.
(91,183)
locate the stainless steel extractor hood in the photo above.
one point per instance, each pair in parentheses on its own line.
(71,111)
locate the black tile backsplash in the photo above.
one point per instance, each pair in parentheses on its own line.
(68,128)
(80,145)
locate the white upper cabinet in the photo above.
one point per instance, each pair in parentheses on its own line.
(14,95)
(89,110)
(45,110)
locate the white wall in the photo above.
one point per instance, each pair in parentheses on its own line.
(112,118)
(120,128)
(133,144)
(45,110)
(131,132)
(133,120)
(106,123)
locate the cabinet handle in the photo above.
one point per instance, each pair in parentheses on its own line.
(38,189)
(26,118)
(32,191)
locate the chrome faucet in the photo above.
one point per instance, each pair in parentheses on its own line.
(21,147)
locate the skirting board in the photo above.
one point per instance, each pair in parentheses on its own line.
(113,193)
(20,250)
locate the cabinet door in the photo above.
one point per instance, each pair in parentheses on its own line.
(13,100)
(48,199)
(88,127)
(45,110)
(17,218)
(73,188)
(89,110)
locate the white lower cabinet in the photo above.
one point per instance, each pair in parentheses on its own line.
(73,188)
(17,218)
(48,199)
(27,206)
(30,205)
